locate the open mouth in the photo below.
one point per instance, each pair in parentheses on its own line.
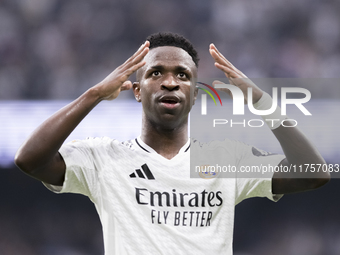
(169,101)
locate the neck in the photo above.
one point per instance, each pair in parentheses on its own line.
(166,142)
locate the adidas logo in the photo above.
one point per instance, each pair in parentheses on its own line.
(141,173)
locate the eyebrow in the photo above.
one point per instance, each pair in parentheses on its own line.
(177,68)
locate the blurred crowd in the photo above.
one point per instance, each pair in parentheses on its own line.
(56,49)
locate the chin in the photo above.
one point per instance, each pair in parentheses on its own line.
(172,122)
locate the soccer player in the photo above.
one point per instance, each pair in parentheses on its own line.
(142,191)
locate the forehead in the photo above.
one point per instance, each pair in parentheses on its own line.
(169,56)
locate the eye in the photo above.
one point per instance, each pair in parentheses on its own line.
(182,75)
(156,73)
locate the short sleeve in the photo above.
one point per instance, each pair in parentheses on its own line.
(255,187)
(81,170)
(258,183)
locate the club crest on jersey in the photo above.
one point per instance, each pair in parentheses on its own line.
(207,172)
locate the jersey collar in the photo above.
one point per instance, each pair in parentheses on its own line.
(148,149)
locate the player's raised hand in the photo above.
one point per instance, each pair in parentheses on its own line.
(117,81)
(235,76)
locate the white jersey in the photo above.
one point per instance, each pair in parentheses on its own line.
(148,204)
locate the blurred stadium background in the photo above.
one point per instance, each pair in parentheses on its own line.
(52,51)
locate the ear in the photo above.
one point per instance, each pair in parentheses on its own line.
(136,91)
(195,95)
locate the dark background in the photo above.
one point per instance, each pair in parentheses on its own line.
(56,49)
(34,220)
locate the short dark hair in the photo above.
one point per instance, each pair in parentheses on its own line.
(173,39)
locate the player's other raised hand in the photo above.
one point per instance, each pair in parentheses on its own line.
(117,81)
(235,76)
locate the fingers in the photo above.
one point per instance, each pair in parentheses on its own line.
(217,82)
(126,85)
(223,64)
(219,58)
(222,89)
(139,57)
(230,73)
(146,44)
(139,53)
(135,61)
(134,68)
(117,81)
(213,48)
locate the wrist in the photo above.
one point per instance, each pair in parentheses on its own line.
(94,95)
(257,95)
(273,119)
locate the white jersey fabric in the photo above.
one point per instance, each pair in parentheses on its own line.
(148,204)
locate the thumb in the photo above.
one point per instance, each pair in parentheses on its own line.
(126,85)
(215,82)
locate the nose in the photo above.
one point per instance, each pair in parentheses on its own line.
(170,83)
